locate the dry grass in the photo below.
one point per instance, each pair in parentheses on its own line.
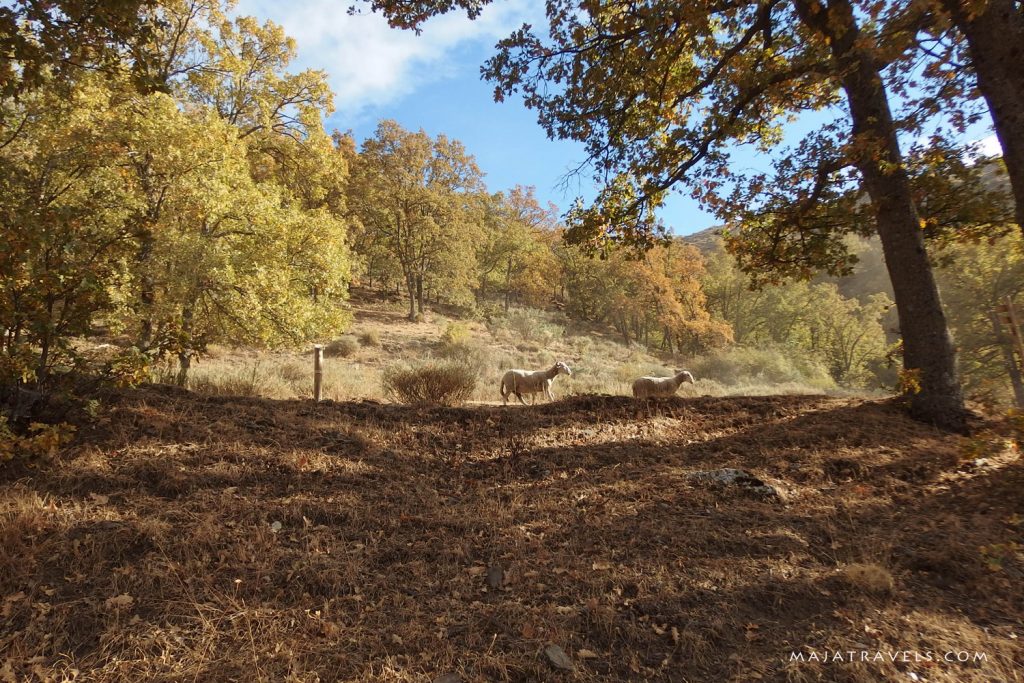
(525,339)
(194,538)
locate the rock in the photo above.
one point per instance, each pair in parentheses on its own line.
(448,678)
(729,476)
(495,576)
(557,658)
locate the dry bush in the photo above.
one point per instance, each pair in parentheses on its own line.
(341,348)
(369,338)
(440,383)
(870,578)
(228,381)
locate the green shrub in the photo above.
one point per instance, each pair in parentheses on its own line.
(42,440)
(761,366)
(527,324)
(341,348)
(454,334)
(440,383)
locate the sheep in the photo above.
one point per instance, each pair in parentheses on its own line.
(521,382)
(646,387)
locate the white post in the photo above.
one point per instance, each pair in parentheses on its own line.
(318,372)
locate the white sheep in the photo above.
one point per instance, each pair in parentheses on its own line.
(646,387)
(521,382)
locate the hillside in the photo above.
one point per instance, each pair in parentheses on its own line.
(381,337)
(207,538)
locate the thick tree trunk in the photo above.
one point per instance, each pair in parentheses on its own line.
(928,351)
(995,40)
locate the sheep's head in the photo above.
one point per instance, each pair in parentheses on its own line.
(687,377)
(563,369)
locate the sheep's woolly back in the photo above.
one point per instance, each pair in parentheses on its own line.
(648,387)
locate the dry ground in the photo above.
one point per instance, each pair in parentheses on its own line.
(240,539)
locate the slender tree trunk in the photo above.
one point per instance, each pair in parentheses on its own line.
(411,289)
(147,288)
(1012,368)
(185,355)
(928,350)
(419,294)
(43,368)
(508,286)
(994,31)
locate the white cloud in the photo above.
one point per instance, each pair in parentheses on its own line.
(988,146)
(370,64)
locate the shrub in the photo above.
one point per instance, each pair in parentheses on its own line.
(455,334)
(527,324)
(441,383)
(477,357)
(369,338)
(341,348)
(761,366)
(42,440)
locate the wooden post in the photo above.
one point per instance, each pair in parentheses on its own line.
(318,372)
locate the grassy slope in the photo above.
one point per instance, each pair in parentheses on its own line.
(149,551)
(600,361)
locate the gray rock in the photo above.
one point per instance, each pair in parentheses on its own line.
(729,476)
(448,678)
(495,576)
(557,658)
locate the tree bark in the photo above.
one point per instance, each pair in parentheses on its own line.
(928,350)
(419,293)
(1012,368)
(184,354)
(411,290)
(995,41)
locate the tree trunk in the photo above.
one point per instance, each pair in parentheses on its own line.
(1012,368)
(995,41)
(419,294)
(508,286)
(928,350)
(411,289)
(184,354)
(147,288)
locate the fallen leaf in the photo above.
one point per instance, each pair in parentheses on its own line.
(119,601)
(601,566)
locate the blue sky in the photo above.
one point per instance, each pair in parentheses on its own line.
(432,81)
